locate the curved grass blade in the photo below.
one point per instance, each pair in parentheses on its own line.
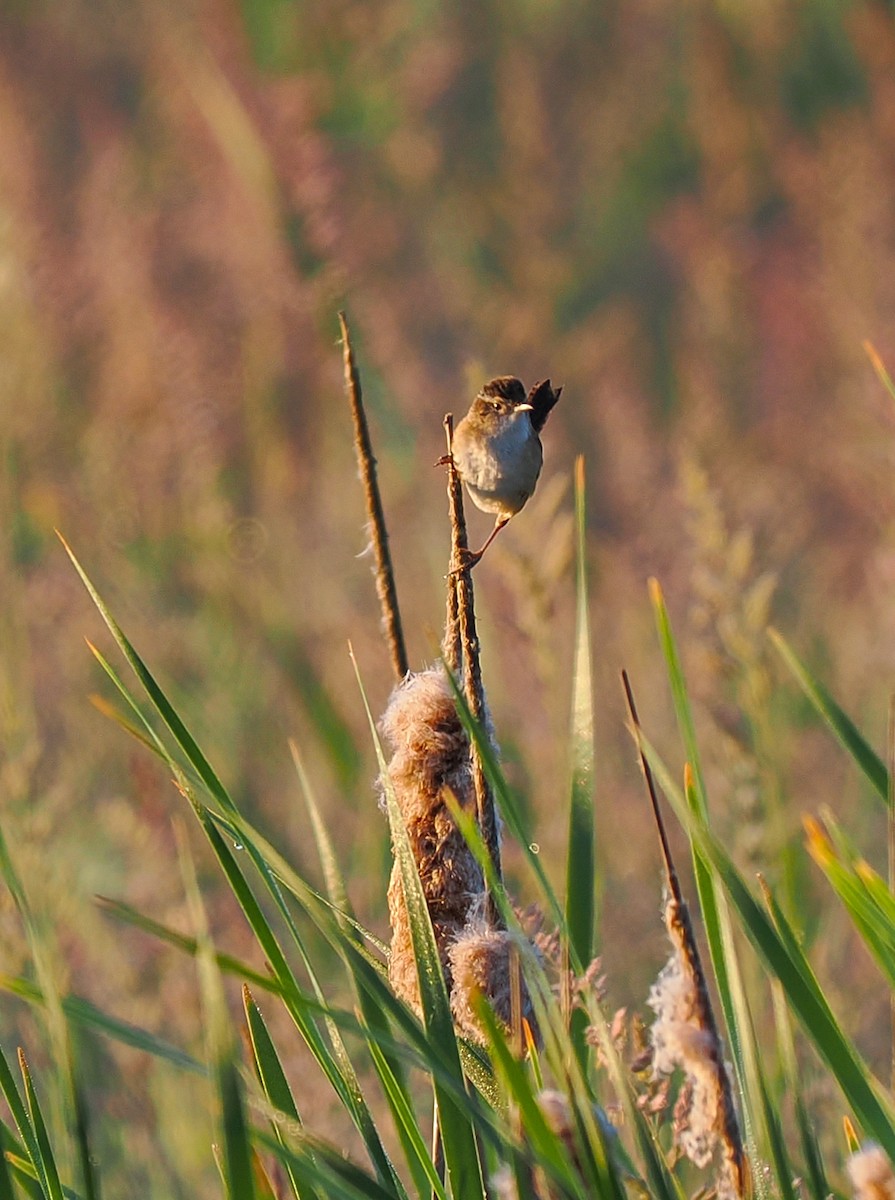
(336,1066)
(273,1081)
(862,892)
(388,1066)
(182,735)
(836,718)
(83,1012)
(335,882)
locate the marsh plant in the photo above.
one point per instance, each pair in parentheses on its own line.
(478,1056)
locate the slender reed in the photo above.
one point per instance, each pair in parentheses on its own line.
(385,576)
(685,1033)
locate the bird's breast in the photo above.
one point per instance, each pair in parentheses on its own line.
(500,468)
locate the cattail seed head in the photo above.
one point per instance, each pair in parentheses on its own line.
(871,1175)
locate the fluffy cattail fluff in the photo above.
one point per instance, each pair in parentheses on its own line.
(870,1172)
(684,1035)
(488,960)
(430,757)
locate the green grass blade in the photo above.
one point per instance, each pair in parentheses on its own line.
(837,719)
(46,1164)
(43,956)
(335,883)
(22,1120)
(273,1081)
(714,914)
(581,860)
(181,734)
(416,1152)
(80,1011)
(461,1155)
(814,1173)
(335,1065)
(237,1152)
(226,962)
(6,1192)
(863,893)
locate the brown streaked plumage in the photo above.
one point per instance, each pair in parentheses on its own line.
(497,450)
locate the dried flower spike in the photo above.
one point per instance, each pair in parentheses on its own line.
(871,1175)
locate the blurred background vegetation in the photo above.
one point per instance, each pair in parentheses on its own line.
(684,213)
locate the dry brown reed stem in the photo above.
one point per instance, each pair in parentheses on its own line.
(385,577)
(685,1033)
(460,584)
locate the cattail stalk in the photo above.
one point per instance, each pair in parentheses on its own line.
(385,576)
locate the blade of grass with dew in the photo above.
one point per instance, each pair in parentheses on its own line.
(236,1162)
(416,1152)
(458,1139)
(26,1177)
(336,1065)
(792,1079)
(836,718)
(23,1122)
(347,1086)
(581,880)
(46,1164)
(782,956)
(273,1080)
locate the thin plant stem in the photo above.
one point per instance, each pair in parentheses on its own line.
(680,929)
(462,646)
(385,576)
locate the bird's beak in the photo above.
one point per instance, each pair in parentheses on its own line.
(524,407)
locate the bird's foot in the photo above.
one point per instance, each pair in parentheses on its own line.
(465,560)
(445,460)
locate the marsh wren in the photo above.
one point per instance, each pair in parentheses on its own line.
(497,449)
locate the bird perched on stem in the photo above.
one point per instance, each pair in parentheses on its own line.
(497,448)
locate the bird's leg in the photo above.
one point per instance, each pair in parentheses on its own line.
(471,557)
